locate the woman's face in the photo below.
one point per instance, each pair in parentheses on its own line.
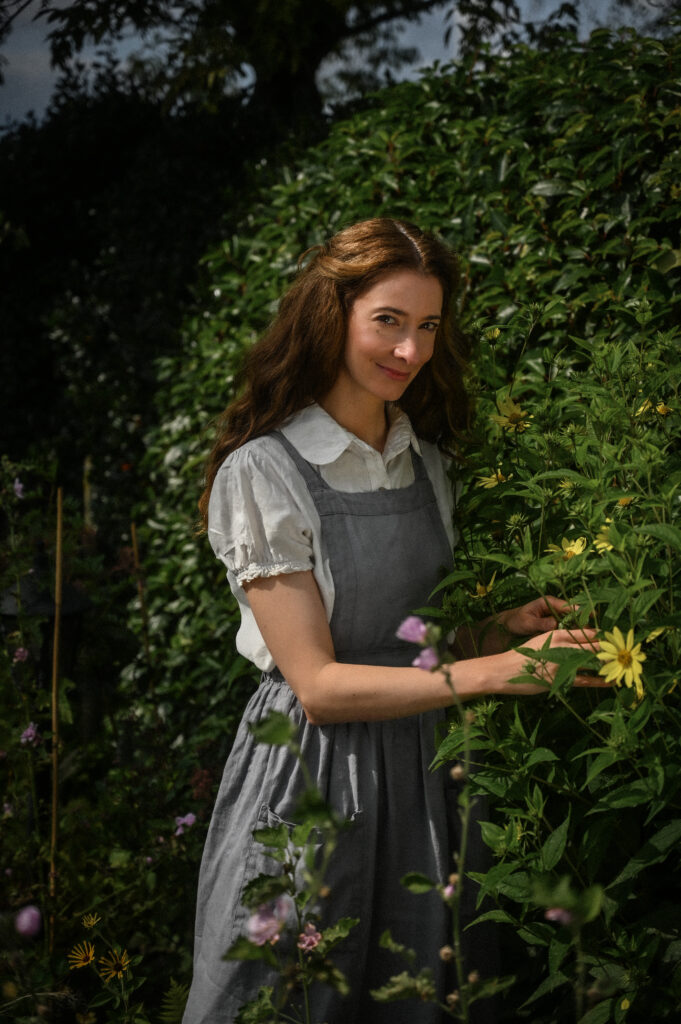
(391,334)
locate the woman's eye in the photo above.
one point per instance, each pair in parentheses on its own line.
(385,318)
(430,325)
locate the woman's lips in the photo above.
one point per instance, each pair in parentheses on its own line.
(393,374)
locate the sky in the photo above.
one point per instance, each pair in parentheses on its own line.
(29,79)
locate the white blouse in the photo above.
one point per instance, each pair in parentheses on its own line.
(262,520)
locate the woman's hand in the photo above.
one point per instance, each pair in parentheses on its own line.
(539,616)
(516,664)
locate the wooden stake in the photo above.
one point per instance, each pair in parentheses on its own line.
(55,712)
(140,594)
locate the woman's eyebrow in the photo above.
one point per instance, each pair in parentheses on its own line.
(402,312)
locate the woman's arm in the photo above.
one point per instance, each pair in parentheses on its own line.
(290,615)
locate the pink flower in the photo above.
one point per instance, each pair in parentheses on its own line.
(21,654)
(309,938)
(188,820)
(30,735)
(28,921)
(448,891)
(268,921)
(427,659)
(18,487)
(560,915)
(413,630)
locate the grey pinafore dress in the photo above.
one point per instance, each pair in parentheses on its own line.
(387,550)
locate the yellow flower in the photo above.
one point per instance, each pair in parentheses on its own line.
(114,965)
(491,481)
(569,548)
(90,920)
(566,485)
(483,589)
(511,417)
(646,407)
(623,502)
(622,660)
(662,410)
(81,955)
(602,539)
(654,633)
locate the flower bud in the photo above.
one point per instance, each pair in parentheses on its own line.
(446,953)
(473,978)
(453,998)
(28,921)
(457,773)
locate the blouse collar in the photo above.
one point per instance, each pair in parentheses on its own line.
(321,440)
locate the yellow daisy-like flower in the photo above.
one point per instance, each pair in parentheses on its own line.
(81,955)
(114,964)
(662,410)
(491,481)
(646,407)
(569,548)
(483,589)
(511,417)
(90,920)
(602,539)
(566,485)
(622,660)
(623,502)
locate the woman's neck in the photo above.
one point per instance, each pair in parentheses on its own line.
(366,420)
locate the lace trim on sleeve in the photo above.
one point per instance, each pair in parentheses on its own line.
(255,571)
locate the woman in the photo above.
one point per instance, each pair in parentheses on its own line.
(328,501)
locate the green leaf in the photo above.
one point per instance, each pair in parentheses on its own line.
(668,534)
(654,851)
(274,836)
(244,949)
(599,1014)
(554,847)
(276,729)
(416,882)
(173,1003)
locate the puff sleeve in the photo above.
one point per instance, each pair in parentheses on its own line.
(257,523)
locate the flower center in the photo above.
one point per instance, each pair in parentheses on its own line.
(624,658)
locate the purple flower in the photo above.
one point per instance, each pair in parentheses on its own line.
(28,921)
(21,654)
(427,659)
(413,630)
(18,487)
(267,922)
(188,820)
(448,891)
(309,938)
(560,915)
(30,735)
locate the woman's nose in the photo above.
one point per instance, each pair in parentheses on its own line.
(408,349)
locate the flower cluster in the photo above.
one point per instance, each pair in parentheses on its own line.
(184,821)
(29,736)
(415,631)
(309,938)
(269,920)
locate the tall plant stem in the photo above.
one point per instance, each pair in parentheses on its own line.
(55,712)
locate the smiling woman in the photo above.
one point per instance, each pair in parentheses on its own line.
(328,501)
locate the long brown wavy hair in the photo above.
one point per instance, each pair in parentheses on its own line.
(298,359)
